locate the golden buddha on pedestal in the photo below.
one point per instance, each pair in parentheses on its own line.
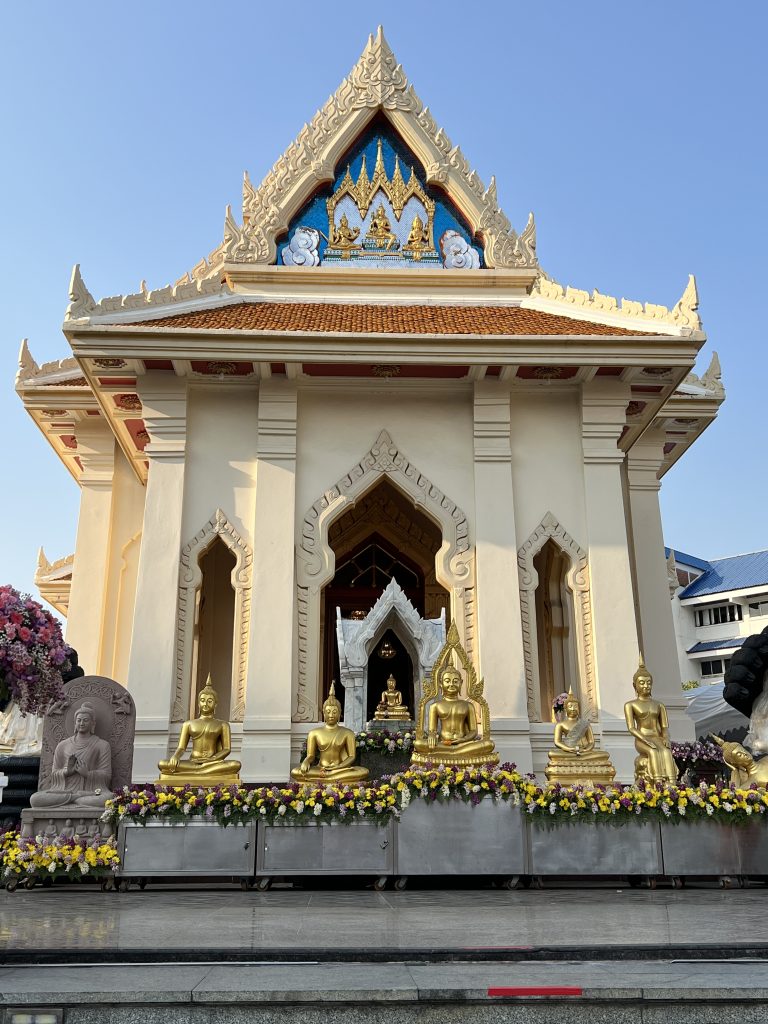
(391,706)
(648,722)
(575,762)
(447,728)
(211,746)
(334,748)
(418,238)
(344,237)
(380,230)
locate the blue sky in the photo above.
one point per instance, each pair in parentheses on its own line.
(635,131)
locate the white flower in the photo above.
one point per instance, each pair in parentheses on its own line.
(281,810)
(710,809)
(300,807)
(317,810)
(262,810)
(405,797)
(748,808)
(727,806)
(445,789)
(83,867)
(552,807)
(186,808)
(52,867)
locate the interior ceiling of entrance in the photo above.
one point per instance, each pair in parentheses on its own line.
(384,510)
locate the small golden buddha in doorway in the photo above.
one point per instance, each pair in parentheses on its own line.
(391,705)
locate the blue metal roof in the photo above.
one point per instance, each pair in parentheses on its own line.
(735,573)
(683,559)
(716,645)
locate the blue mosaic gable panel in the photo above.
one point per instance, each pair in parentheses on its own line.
(380,213)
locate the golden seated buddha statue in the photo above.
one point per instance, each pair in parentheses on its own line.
(418,238)
(391,706)
(380,230)
(575,762)
(334,748)
(211,746)
(344,237)
(648,722)
(452,735)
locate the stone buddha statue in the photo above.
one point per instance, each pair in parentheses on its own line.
(745,770)
(575,760)
(418,241)
(211,746)
(391,704)
(450,734)
(380,229)
(333,747)
(647,721)
(81,773)
(343,236)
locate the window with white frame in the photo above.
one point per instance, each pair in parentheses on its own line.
(758,608)
(715,667)
(717,614)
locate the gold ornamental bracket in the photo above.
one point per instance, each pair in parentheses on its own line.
(474,686)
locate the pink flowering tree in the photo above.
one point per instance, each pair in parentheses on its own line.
(32,653)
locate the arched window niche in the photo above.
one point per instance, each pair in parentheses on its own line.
(213,619)
(556,616)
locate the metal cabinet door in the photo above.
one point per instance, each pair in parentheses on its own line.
(361,847)
(217,849)
(291,848)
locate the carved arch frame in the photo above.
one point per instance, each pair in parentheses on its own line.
(315,559)
(577,579)
(190,580)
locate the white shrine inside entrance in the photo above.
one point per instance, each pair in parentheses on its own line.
(366,413)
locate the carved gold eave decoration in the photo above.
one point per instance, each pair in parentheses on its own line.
(376,83)
(549,295)
(54,580)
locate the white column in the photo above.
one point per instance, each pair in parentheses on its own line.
(500,640)
(266,749)
(657,629)
(613,608)
(90,570)
(152,663)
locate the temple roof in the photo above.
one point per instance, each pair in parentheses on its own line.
(380,319)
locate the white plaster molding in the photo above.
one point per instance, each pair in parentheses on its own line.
(548,294)
(672,581)
(315,560)
(422,638)
(29,372)
(578,582)
(711,380)
(190,580)
(81,302)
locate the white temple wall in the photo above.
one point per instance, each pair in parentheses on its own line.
(335,430)
(128,496)
(222,447)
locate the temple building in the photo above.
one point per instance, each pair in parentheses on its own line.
(370,405)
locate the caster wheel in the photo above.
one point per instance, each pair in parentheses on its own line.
(123,885)
(400,884)
(726,883)
(244,884)
(380,884)
(651,883)
(11,885)
(511,883)
(263,884)
(677,882)
(143,884)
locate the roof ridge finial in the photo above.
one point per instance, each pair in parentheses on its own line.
(81,302)
(28,365)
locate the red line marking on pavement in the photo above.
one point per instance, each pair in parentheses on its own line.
(540,990)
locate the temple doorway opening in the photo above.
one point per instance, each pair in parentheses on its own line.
(389,657)
(381,538)
(557,659)
(215,626)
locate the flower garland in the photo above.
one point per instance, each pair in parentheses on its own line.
(230,805)
(661,802)
(32,653)
(471,785)
(43,857)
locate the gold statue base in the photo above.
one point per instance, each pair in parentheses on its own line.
(453,760)
(198,781)
(580,773)
(404,716)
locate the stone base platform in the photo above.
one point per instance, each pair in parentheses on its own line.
(70,820)
(544,993)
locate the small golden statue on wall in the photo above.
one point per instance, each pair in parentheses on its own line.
(575,762)
(648,722)
(334,747)
(344,237)
(391,706)
(380,230)
(211,746)
(745,770)
(418,239)
(447,728)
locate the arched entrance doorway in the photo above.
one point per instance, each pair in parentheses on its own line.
(384,537)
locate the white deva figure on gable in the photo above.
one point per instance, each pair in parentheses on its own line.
(301,250)
(81,773)
(458,254)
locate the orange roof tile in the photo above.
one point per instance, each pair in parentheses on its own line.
(372,319)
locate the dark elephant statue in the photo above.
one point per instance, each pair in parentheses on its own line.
(746,674)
